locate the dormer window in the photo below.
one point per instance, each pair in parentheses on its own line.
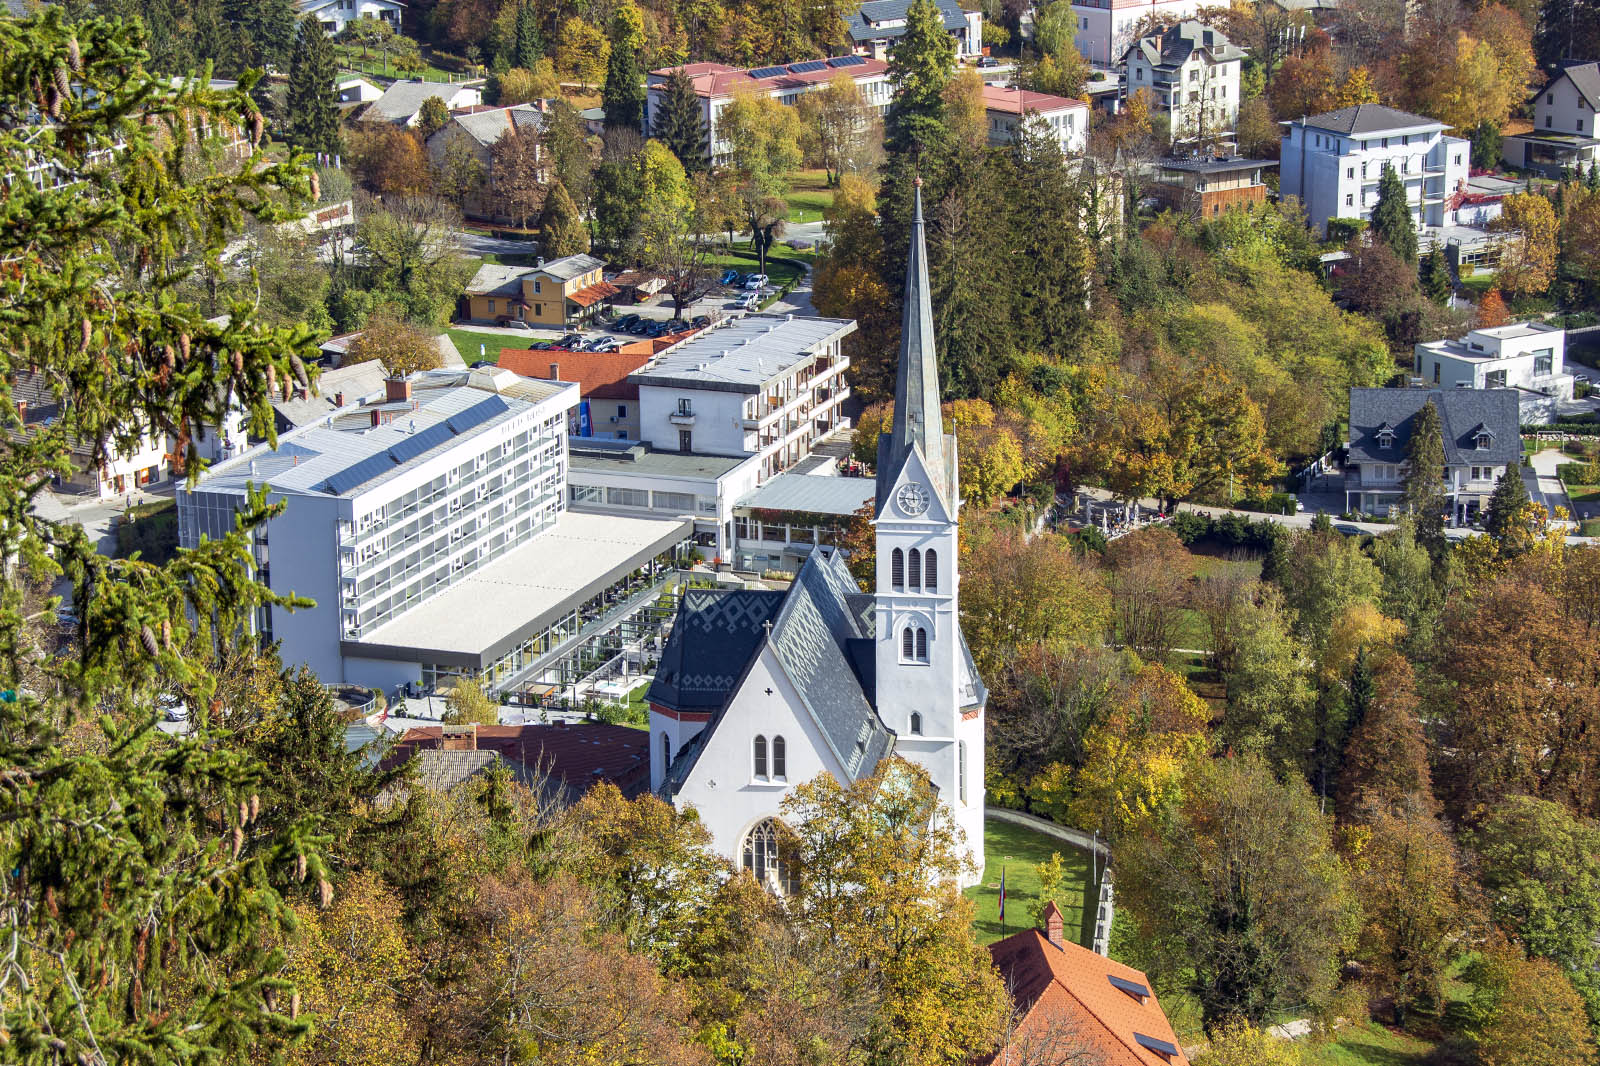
(1132,988)
(1167,1050)
(1385,436)
(1485,441)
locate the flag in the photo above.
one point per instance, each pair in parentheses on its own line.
(1002,894)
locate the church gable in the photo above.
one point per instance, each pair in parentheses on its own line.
(936,503)
(714,636)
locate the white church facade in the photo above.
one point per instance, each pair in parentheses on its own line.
(760,690)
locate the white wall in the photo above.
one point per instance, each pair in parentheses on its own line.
(1337,176)
(1104,34)
(303,557)
(717,428)
(1562,109)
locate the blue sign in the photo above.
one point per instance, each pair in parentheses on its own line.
(585,426)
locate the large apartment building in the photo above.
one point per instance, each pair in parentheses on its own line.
(1105,28)
(430,527)
(715,84)
(1191,72)
(1333,163)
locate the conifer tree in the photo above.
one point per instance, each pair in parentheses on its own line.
(1436,276)
(561,230)
(1423,488)
(529,44)
(145,890)
(1391,216)
(266,29)
(680,124)
(623,95)
(313,116)
(1504,515)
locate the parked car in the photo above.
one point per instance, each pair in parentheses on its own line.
(172,708)
(540,346)
(602,344)
(701,321)
(572,340)
(641,327)
(751,302)
(755,281)
(730,277)
(988,61)
(677,325)
(621,325)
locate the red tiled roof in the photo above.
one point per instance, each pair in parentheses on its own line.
(715,79)
(579,755)
(593,294)
(1064,993)
(1018,101)
(598,374)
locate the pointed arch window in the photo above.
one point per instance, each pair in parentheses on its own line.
(780,759)
(897,569)
(763,856)
(914,580)
(916,723)
(922,645)
(930,570)
(760,753)
(666,752)
(908,646)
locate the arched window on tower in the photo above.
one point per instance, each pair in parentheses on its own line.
(908,647)
(897,569)
(922,645)
(760,758)
(916,723)
(915,579)
(930,570)
(666,752)
(779,759)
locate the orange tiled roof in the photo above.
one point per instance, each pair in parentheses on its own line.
(592,294)
(1018,101)
(1065,995)
(598,374)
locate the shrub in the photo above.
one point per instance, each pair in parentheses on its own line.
(1190,526)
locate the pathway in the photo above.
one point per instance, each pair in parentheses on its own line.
(1547,464)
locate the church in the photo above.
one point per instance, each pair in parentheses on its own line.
(759,690)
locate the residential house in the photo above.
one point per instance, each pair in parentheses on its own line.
(564,760)
(1333,163)
(1564,133)
(876,25)
(431,529)
(335,15)
(1105,28)
(119,471)
(1074,1006)
(561,292)
(354,89)
(475,131)
(1481,442)
(609,402)
(1066,119)
(1191,72)
(1526,356)
(715,83)
(760,690)
(1205,186)
(401,103)
(338,387)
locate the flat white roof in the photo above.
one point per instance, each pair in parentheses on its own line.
(742,354)
(498,606)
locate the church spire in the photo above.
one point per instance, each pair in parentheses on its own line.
(917,419)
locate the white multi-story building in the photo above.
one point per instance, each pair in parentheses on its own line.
(1564,134)
(335,15)
(1527,356)
(716,84)
(760,690)
(1191,72)
(1106,28)
(430,528)
(1333,163)
(876,25)
(1066,118)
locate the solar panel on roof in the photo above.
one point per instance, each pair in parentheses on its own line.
(1160,1047)
(1133,988)
(360,473)
(477,414)
(808,67)
(847,61)
(767,72)
(417,443)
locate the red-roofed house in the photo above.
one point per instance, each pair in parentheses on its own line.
(1067,118)
(716,83)
(1074,1006)
(572,758)
(557,292)
(602,379)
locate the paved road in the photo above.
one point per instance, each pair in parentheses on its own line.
(1547,464)
(474,243)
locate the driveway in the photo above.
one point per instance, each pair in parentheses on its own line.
(1547,464)
(474,243)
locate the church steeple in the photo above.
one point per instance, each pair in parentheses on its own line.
(917,419)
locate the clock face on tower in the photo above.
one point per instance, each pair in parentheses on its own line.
(912,498)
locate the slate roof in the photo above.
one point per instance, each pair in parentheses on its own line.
(1064,992)
(1211,164)
(1369,118)
(488,126)
(1585,77)
(818,627)
(1172,47)
(405,98)
(860,23)
(357,381)
(1461,412)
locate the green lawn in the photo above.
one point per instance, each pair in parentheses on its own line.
(809,195)
(1017,851)
(1371,1045)
(468,340)
(745,261)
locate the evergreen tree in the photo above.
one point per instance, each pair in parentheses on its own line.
(313,115)
(1050,315)
(1505,509)
(561,229)
(623,95)
(529,44)
(1592,182)
(920,64)
(1485,145)
(147,887)
(1391,216)
(1436,284)
(266,28)
(1423,492)
(680,124)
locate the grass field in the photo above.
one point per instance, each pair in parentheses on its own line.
(467,341)
(1371,1045)
(809,196)
(746,261)
(1017,851)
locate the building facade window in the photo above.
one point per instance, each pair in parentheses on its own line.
(930,570)
(627,497)
(914,577)
(761,857)
(908,645)
(922,645)
(780,760)
(916,723)
(685,440)
(666,752)
(759,769)
(897,569)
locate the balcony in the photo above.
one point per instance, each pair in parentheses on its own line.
(749,423)
(681,418)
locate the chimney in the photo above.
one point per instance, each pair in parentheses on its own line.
(1052,924)
(458,737)
(376,418)
(555,371)
(539,262)
(22,410)
(338,399)
(396,390)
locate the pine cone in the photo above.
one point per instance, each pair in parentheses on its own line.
(238,841)
(299,369)
(63,82)
(238,362)
(325,892)
(166,634)
(300,867)
(255,806)
(74,55)
(183,346)
(244,812)
(272,378)
(148,635)
(294,1004)
(87,332)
